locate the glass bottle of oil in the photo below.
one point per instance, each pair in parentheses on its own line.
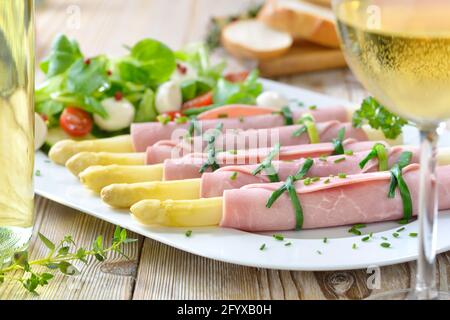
(16,125)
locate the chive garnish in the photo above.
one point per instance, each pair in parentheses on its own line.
(354,247)
(267,166)
(398,181)
(211,161)
(263,246)
(315,179)
(325,240)
(348,152)
(287,244)
(278,237)
(342,175)
(384,238)
(233,152)
(307,181)
(401,229)
(309,126)
(327,181)
(396,235)
(339,160)
(323,158)
(413,234)
(365,239)
(355,229)
(338,142)
(378,151)
(233,176)
(287,115)
(385,244)
(290,188)
(319,252)
(313,107)
(193,128)
(38,173)
(188,233)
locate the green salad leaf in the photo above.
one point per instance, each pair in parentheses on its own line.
(227,92)
(145,110)
(63,54)
(86,77)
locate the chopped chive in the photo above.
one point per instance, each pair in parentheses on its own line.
(355,232)
(241,119)
(323,158)
(325,240)
(385,244)
(384,238)
(354,246)
(339,160)
(38,173)
(278,237)
(263,246)
(413,234)
(313,107)
(319,252)
(307,181)
(188,233)
(359,225)
(396,235)
(371,234)
(326,181)
(342,175)
(348,152)
(315,179)
(233,176)
(233,151)
(401,229)
(365,239)
(287,244)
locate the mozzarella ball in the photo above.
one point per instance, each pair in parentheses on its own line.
(120,114)
(168,97)
(271,99)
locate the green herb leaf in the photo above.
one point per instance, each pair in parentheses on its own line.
(188,233)
(146,110)
(278,237)
(63,54)
(337,142)
(49,244)
(378,117)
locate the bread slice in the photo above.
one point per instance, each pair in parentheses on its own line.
(253,39)
(301,19)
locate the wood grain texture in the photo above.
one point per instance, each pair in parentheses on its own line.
(157,271)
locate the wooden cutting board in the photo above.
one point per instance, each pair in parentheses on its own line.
(302,57)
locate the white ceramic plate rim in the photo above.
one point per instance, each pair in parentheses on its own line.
(308,253)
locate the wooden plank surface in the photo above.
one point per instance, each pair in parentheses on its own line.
(157,271)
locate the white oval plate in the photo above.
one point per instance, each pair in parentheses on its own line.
(308,250)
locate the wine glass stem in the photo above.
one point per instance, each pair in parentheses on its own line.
(426,276)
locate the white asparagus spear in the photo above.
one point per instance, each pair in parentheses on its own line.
(84,160)
(65,149)
(179,213)
(97,177)
(125,195)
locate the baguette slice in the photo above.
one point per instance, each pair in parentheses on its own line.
(303,20)
(253,39)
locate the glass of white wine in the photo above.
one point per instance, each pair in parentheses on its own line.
(400,51)
(16,125)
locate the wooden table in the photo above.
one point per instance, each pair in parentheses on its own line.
(157,271)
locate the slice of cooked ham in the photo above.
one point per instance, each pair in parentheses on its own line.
(213,184)
(147,134)
(360,198)
(188,167)
(251,139)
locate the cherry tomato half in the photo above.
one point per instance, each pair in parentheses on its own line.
(201,101)
(76,122)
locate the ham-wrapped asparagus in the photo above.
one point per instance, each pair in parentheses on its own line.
(328,202)
(147,134)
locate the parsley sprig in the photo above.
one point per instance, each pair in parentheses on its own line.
(267,166)
(60,257)
(397,181)
(378,117)
(289,186)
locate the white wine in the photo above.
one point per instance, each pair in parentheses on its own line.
(16,125)
(401,54)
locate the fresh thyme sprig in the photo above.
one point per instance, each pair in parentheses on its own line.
(60,257)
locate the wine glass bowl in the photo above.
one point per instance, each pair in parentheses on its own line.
(400,51)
